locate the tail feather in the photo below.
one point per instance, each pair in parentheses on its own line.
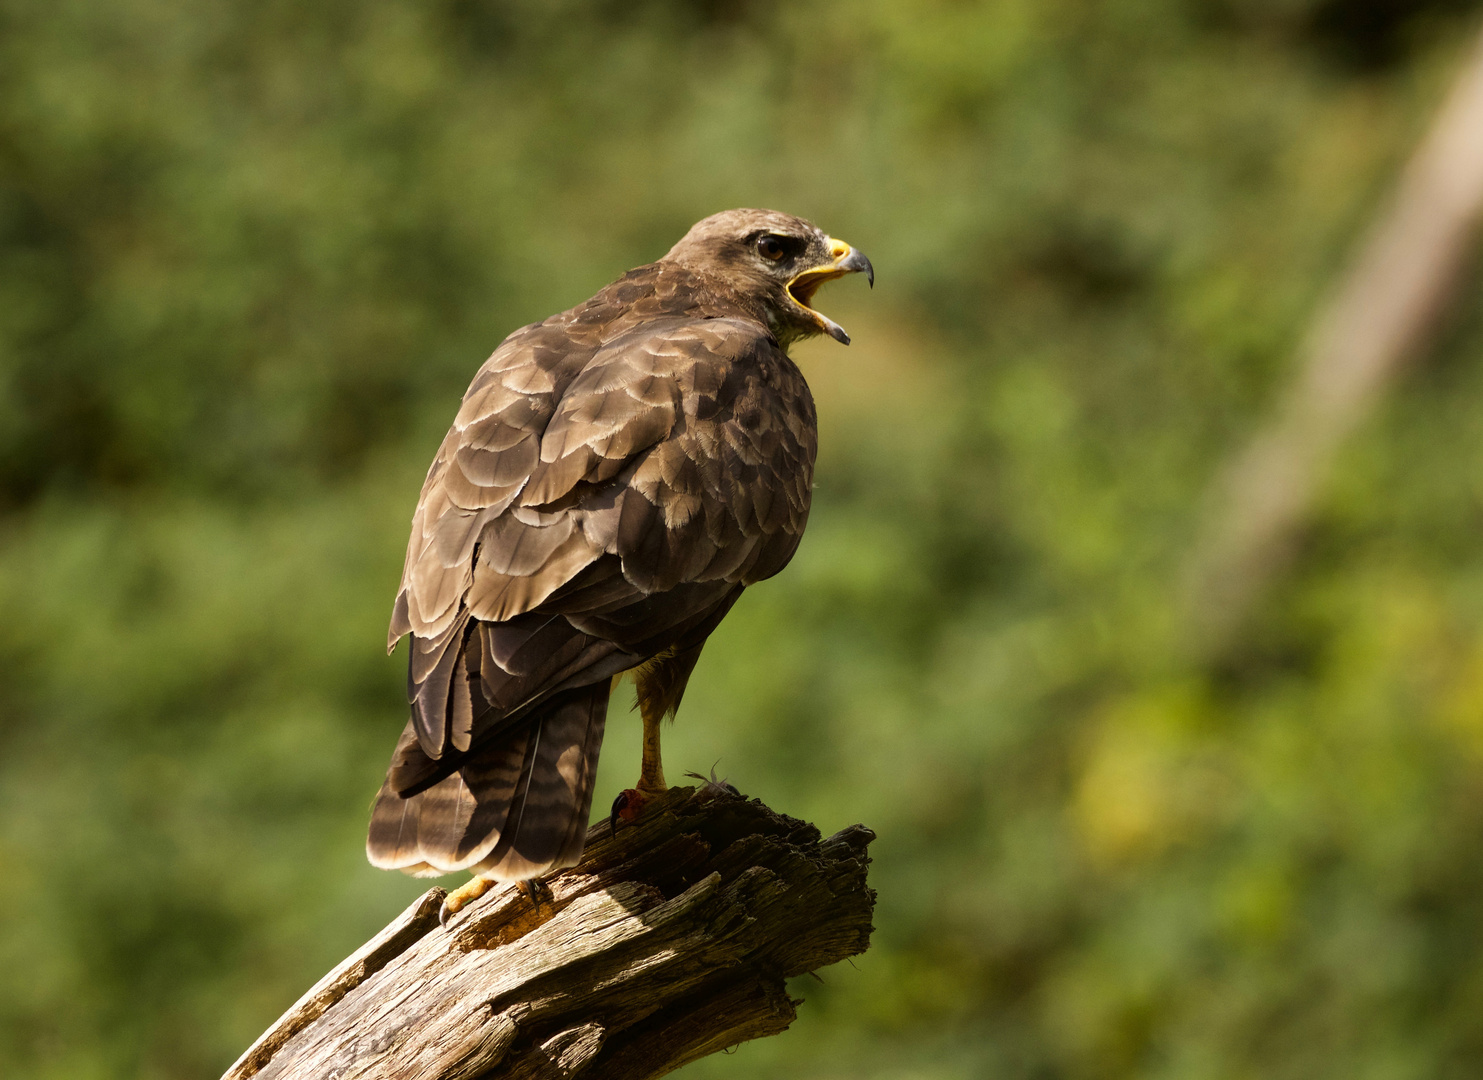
(463,816)
(548,818)
(576,835)
(515,809)
(441,827)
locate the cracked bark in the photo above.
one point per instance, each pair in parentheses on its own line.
(673,939)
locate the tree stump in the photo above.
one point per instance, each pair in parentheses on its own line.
(672,940)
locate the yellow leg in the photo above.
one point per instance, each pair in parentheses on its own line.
(651,773)
(463,896)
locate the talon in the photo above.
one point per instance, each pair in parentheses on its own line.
(462,897)
(628,807)
(533,889)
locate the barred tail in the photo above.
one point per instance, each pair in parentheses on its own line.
(515,809)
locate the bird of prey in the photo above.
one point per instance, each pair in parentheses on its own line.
(615,477)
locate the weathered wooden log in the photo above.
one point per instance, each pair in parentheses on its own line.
(672,940)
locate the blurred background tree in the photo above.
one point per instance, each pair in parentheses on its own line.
(250,254)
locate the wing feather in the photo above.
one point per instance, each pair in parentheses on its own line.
(680,451)
(615,477)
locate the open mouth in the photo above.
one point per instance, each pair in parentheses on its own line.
(803,287)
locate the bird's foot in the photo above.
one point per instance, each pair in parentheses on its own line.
(535,890)
(628,807)
(463,896)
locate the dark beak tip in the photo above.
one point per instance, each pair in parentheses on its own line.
(857,261)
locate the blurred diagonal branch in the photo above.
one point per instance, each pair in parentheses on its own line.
(1378,318)
(672,940)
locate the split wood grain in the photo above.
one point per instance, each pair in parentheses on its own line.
(673,939)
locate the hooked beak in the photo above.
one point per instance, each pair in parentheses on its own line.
(846,260)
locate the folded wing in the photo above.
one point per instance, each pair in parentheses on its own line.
(598,501)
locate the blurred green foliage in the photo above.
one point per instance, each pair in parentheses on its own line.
(250,254)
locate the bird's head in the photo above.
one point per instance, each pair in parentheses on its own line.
(775,261)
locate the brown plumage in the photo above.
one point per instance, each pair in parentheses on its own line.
(615,477)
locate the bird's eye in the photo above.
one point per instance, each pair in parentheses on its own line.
(771,247)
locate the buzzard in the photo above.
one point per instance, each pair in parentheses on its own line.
(616,476)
